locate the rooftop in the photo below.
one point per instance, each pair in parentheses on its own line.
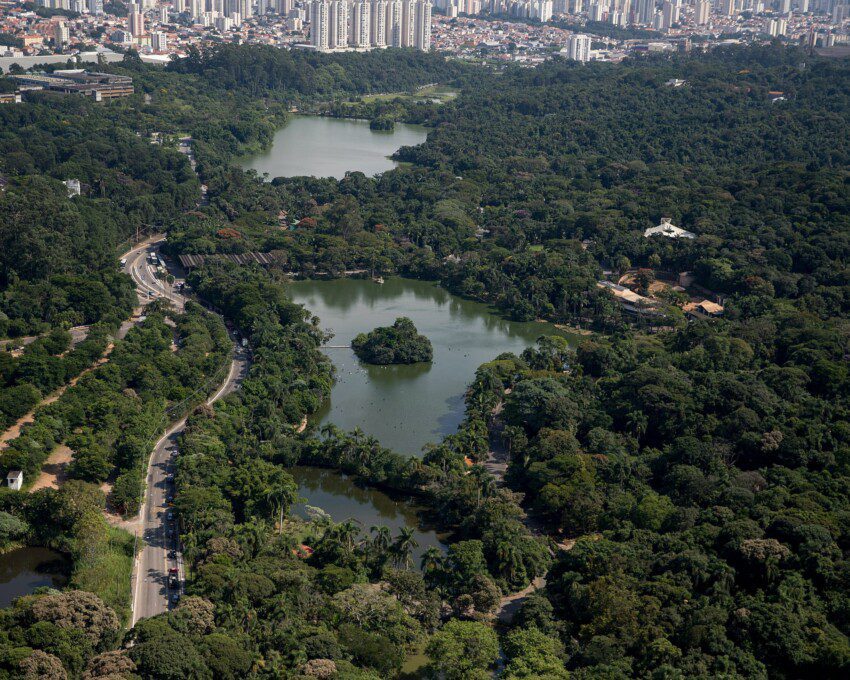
(666,228)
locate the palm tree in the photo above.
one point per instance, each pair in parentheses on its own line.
(278,498)
(347,532)
(403,546)
(382,538)
(431,560)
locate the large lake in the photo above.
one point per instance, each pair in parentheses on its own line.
(406,407)
(330,147)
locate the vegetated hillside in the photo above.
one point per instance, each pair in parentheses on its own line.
(268,71)
(58,257)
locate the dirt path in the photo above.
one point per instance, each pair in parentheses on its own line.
(512,603)
(55,469)
(497,464)
(15,430)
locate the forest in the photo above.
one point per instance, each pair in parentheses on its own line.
(682,489)
(688,472)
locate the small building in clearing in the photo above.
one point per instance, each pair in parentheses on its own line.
(703,310)
(666,228)
(630,301)
(15,479)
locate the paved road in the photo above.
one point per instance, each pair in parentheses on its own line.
(158,530)
(148,286)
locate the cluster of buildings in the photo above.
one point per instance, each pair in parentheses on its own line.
(526,31)
(98,86)
(822,22)
(646,293)
(367,24)
(162,29)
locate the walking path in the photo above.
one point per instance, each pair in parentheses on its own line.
(497,465)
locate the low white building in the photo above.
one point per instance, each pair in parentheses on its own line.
(669,230)
(15,479)
(74,187)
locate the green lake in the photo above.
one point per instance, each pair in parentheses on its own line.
(342,499)
(330,147)
(405,407)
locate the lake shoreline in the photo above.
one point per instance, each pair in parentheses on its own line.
(379,399)
(329,146)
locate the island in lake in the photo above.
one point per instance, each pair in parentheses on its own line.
(400,343)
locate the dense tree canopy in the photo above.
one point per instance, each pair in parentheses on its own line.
(400,343)
(684,490)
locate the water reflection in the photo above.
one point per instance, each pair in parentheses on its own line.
(22,570)
(406,407)
(342,499)
(330,147)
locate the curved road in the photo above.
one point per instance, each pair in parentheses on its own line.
(156,526)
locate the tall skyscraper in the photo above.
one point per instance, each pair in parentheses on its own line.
(644,12)
(61,34)
(669,14)
(777,27)
(338,17)
(320,24)
(360,23)
(422,25)
(578,47)
(95,7)
(378,31)
(136,22)
(702,12)
(159,41)
(596,11)
(408,14)
(394,23)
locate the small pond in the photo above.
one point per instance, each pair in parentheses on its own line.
(342,499)
(22,570)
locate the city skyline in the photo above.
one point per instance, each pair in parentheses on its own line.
(501,30)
